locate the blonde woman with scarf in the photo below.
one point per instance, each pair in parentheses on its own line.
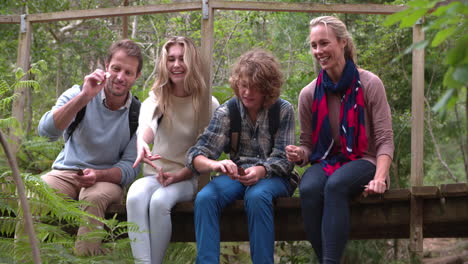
(346,136)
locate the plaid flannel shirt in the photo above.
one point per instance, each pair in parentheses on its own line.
(255,145)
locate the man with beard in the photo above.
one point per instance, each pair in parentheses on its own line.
(99,151)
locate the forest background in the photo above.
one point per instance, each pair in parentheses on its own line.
(64,52)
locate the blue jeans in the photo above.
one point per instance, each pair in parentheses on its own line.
(258,201)
(325,205)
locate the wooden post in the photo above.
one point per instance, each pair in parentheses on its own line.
(207,56)
(125,23)
(417,145)
(23,61)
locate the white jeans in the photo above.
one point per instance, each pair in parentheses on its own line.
(149,206)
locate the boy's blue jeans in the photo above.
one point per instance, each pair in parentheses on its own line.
(258,200)
(325,205)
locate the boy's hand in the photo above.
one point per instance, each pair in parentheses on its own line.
(252,175)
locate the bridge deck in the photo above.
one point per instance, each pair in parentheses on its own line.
(445,214)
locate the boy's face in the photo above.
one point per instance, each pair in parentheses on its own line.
(251,97)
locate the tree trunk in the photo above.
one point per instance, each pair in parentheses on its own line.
(28,224)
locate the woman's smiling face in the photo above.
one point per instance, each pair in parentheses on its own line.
(328,50)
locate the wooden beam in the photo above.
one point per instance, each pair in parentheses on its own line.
(114,11)
(417,146)
(125,23)
(206,50)
(13,19)
(454,189)
(384,220)
(425,191)
(417,110)
(193,6)
(307,7)
(23,61)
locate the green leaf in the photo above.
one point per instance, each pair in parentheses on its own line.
(449,81)
(422,3)
(397,17)
(443,101)
(458,53)
(410,20)
(442,22)
(419,45)
(443,35)
(460,73)
(19,73)
(444,9)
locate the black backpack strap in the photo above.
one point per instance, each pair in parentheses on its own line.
(79,116)
(235,126)
(133,114)
(274,119)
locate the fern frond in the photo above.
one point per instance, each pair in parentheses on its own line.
(6,102)
(27,84)
(4,88)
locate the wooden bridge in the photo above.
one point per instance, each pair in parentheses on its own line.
(445,214)
(421,211)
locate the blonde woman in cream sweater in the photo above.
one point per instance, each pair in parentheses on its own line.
(168,119)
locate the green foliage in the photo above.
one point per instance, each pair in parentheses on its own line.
(56,222)
(450,26)
(72,49)
(181,253)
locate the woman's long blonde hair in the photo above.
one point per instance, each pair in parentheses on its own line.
(194,83)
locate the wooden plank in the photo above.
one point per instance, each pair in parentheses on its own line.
(193,6)
(397,195)
(446,217)
(206,52)
(21,101)
(417,145)
(307,7)
(389,195)
(454,189)
(114,11)
(417,110)
(125,23)
(10,19)
(425,191)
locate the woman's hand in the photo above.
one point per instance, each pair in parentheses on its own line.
(168,178)
(294,153)
(144,154)
(375,186)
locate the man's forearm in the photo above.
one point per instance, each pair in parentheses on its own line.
(65,114)
(113,175)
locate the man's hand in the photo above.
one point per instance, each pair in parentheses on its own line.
(144,153)
(88,179)
(252,175)
(94,82)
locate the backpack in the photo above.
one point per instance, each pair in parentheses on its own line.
(133,114)
(236,124)
(273,125)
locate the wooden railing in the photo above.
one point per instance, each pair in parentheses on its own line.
(445,214)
